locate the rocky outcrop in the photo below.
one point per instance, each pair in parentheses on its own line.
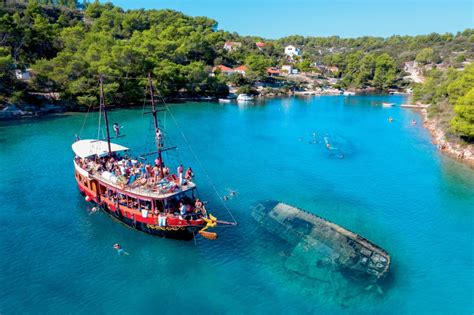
(458,151)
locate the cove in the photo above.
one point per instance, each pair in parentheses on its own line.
(385,181)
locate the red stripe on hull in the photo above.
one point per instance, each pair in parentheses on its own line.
(172,221)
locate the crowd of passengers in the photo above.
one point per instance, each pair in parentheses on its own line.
(185,207)
(132,173)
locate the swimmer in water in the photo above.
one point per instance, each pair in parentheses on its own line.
(390,119)
(233,193)
(225,198)
(413,122)
(119,249)
(328,146)
(94,210)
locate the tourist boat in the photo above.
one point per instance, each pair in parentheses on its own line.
(166,206)
(244,98)
(224,100)
(386,104)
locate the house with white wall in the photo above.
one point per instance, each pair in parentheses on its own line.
(231,46)
(292,51)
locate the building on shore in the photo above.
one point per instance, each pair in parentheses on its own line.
(241,70)
(222,69)
(288,69)
(292,51)
(22,75)
(232,46)
(273,72)
(260,45)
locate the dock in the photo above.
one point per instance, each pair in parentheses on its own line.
(415,106)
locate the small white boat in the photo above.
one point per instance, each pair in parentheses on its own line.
(224,100)
(385,104)
(244,98)
(348,93)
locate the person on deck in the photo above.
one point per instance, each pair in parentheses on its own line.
(159,137)
(157,162)
(180,174)
(182,209)
(198,203)
(142,169)
(189,174)
(116,127)
(149,171)
(156,173)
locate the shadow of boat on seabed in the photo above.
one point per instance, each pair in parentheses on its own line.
(342,263)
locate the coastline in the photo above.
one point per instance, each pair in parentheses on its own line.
(456,151)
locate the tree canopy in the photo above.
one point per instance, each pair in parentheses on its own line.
(451,95)
(68,44)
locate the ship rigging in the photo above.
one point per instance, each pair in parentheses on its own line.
(145,196)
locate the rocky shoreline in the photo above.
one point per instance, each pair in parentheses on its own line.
(457,151)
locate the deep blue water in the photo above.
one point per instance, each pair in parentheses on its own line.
(391,186)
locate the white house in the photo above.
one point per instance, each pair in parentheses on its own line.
(292,51)
(223,69)
(230,46)
(22,75)
(242,70)
(287,69)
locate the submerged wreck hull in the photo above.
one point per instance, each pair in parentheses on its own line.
(322,247)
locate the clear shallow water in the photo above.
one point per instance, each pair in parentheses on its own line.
(391,186)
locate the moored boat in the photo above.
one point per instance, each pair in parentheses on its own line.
(144,195)
(244,98)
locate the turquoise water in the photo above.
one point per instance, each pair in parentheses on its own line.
(391,186)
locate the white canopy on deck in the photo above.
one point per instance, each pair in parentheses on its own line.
(85,148)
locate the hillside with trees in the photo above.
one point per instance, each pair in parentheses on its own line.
(451,95)
(67,45)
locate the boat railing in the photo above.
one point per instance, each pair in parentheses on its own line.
(159,190)
(80,170)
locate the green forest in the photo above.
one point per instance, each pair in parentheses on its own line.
(451,95)
(67,45)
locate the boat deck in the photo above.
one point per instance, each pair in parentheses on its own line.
(159,191)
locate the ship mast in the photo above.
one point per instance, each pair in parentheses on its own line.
(104,108)
(158,135)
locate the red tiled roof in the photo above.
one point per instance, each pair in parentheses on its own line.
(232,44)
(222,68)
(260,44)
(241,68)
(272,70)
